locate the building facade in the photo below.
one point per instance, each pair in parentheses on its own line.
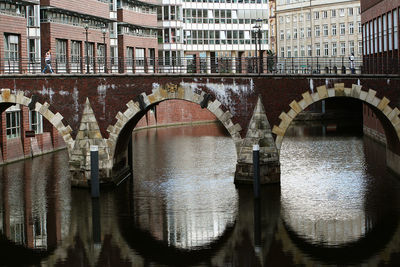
(380,26)
(325,30)
(212,36)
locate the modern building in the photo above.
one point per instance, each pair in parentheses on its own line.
(211,35)
(325,30)
(380,26)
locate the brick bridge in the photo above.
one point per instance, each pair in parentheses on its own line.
(255,109)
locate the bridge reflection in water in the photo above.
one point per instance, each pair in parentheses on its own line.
(336,205)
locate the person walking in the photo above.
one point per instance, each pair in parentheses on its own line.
(352,68)
(47,60)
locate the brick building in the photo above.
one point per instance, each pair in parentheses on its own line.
(380,25)
(83,36)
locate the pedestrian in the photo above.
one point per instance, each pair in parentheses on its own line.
(352,68)
(47,60)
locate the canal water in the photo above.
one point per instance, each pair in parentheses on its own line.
(337,206)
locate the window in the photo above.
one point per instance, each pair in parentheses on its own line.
(289,51)
(288,34)
(13,124)
(11,47)
(351,28)
(308,32)
(396,29)
(350,11)
(317,31)
(359,27)
(280,19)
(333,13)
(341,12)
(295,51)
(324,14)
(326,49)
(316,15)
(75,51)
(302,51)
(139,56)
(282,51)
(309,16)
(351,46)
(342,48)
(334,49)
(390,30)
(384,33)
(333,29)
(36,122)
(301,33)
(282,35)
(325,29)
(61,50)
(317,49)
(379,35)
(287,19)
(309,50)
(295,33)
(360,47)
(342,29)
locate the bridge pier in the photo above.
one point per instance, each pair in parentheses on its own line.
(259,132)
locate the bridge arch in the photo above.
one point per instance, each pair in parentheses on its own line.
(135,110)
(7,97)
(388,117)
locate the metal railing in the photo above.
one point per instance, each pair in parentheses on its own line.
(223,65)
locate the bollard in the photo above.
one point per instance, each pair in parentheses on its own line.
(96,225)
(94,171)
(256,170)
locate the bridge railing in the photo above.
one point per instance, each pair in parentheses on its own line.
(269,64)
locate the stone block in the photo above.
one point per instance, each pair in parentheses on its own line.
(387,110)
(286,120)
(383,103)
(278,142)
(307,98)
(303,104)
(323,93)
(295,106)
(214,105)
(292,113)
(278,131)
(134,106)
(226,117)
(315,97)
(347,91)
(370,96)
(356,90)
(363,95)
(339,86)
(331,92)
(121,117)
(218,113)
(395,112)
(375,101)
(188,95)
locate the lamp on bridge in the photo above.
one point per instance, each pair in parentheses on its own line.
(257,33)
(104,32)
(86,26)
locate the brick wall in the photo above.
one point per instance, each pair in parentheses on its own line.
(18,28)
(372,126)
(90,7)
(137,18)
(176,112)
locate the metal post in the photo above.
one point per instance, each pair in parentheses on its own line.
(96,225)
(257,225)
(256,170)
(255,53)
(87,50)
(94,171)
(105,52)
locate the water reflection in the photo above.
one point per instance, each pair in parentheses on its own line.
(182,209)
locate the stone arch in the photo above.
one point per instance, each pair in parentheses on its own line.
(55,119)
(356,92)
(169,92)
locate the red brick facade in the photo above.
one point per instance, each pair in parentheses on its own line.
(24,147)
(137,18)
(89,7)
(175,112)
(381,39)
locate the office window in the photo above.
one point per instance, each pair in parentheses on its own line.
(295,51)
(341,12)
(301,33)
(316,15)
(282,51)
(11,47)
(359,27)
(75,51)
(326,49)
(282,35)
(396,29)
(333,29)
(61,50)
(36,122)
(390,31)
(308,32)
(380,41)
(13,124)
(308,16)
(360,47)
(351,47)
(333,13)
(384,33)
(376,36)
(317,31)
(351,28)
(325,29)
(324,14)
(302,51)
(334,49)
(350,11)
(342,29)
(309,50)
(317,49)
(295,33)
(343,48)
(287,34)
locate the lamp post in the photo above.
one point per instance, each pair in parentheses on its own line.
(104,32)
(257,32)
(86,23)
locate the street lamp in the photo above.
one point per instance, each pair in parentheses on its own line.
(257,33)
(86,25)
(104,32)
